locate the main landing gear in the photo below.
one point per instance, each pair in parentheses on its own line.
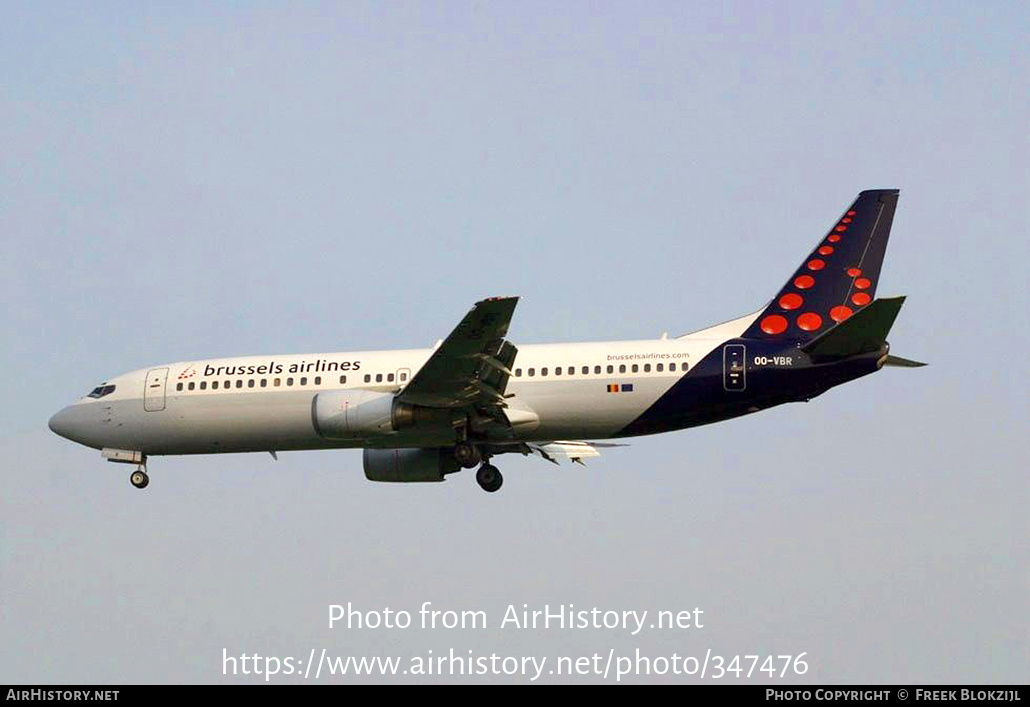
(489,478)
(139,478)
(469,456)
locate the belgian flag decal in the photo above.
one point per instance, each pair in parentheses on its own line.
(617,388)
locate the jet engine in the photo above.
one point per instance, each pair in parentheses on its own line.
(357,414)
(349,414)
(408,465)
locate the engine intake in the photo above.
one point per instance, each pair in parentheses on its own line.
(408,465)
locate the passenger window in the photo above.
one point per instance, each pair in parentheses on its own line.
(250,383)
(404,377)
(192,385)
(203,385)
(264,382)
(659,367)
(304,380)
(289,381)
(277,382)
(239,383)
(368,378)
(622,368)
(531,372)
(611,369)
(389,378)
(178,386)
(379,377)
(318,380)
(597,369)
(585,370)
(543,371)
(672,366)
(557,370)
(635,369)
(518,372)
(684,367)
(647,368)
(227,384)
(343,380)
(214,385)
(572,370)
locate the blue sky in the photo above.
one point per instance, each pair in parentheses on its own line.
(188,181)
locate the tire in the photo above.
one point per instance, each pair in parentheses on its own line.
(468,455)
(489,478)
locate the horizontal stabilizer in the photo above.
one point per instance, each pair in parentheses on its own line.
(903,362)
(863,332)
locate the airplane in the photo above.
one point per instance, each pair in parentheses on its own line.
(423,414)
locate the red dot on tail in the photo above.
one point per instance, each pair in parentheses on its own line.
(840,313)
(851,213)
(810,321)
(861,299)
(840,229)
(803,282)
(816,264)
(834,238)
(791,300)
(863,283)
(774,324)
(854,272)
(845,220)
(826,250)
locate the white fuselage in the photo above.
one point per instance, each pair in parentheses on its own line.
(264,403)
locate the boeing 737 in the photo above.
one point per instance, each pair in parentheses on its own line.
(422,414)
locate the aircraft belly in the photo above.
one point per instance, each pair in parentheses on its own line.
(245,422)
(260,421)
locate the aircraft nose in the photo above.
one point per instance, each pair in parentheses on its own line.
(59,423)
(69,423)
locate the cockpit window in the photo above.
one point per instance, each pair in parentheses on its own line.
(100,391)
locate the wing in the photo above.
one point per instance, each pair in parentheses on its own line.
(574,451)
(472,365)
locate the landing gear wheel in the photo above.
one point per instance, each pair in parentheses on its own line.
(489,478)
(139,479)
(468,455)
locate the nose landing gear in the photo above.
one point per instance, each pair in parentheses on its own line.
(489,478)
(139,478)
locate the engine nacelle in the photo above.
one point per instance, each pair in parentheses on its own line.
(408,465)
(358,414)
(350,414)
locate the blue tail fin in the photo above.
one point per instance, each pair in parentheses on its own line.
(838,278)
